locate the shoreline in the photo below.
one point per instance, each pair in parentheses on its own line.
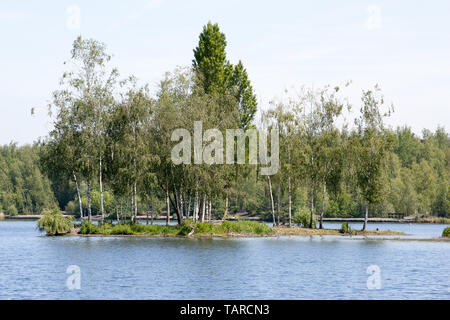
(433,220)
(249,236)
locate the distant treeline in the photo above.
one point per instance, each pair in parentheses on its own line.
(110,151)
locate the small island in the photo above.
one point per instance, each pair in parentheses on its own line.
(55,224)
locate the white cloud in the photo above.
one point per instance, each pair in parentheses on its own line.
(373,22)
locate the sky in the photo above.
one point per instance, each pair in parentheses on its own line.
(403,46)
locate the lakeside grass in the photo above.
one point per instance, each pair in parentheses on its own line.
(206,229)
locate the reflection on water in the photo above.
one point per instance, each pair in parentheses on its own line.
(33,266)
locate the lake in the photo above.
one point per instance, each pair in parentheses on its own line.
(33,266)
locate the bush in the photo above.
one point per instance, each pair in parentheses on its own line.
(345,228)
(446,232)
(186,227)
(54,223)
(302,218)
(89,228)
(243,227)
(122,229)
(138,228)
(204,228)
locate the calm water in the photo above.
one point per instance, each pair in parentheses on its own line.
(33,266)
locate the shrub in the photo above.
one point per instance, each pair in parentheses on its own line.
(302,218)
(261,228)
(446,232)
(186,227)
(243,226)
(204,228)
(138,228)
(122,229)
(89,228)
(345,228)
(54,223)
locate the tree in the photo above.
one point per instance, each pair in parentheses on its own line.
(54,223)
(83,104)
(372,144)
(210,62)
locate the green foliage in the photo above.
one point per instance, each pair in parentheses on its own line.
(23,188)
(243,227)
(210,59)
(215,74)
(320,164)
(302,218)
(123,229)
(346,229)
(446,232)
(54,223)
(203,228)
(89,228)
(12,210)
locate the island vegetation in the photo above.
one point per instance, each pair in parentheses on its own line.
(108,156)
(446,233)
(55,224)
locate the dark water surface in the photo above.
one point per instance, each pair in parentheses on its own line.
(33,266)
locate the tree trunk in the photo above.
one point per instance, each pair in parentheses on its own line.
(323,204)
(188,211)
(225,214)
(80,202)
(151,206)
(89,202)
(202,219)
(177,201)
(176,206)
(278,204)
(121,209)
(101,194)
(312,207)
(181,202)
(167,204)
(196,206)
(135,203)
(210,210)
(366,217)
(271,200)
(290,201)
(148,212)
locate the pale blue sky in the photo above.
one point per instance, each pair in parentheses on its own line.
(402,45)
